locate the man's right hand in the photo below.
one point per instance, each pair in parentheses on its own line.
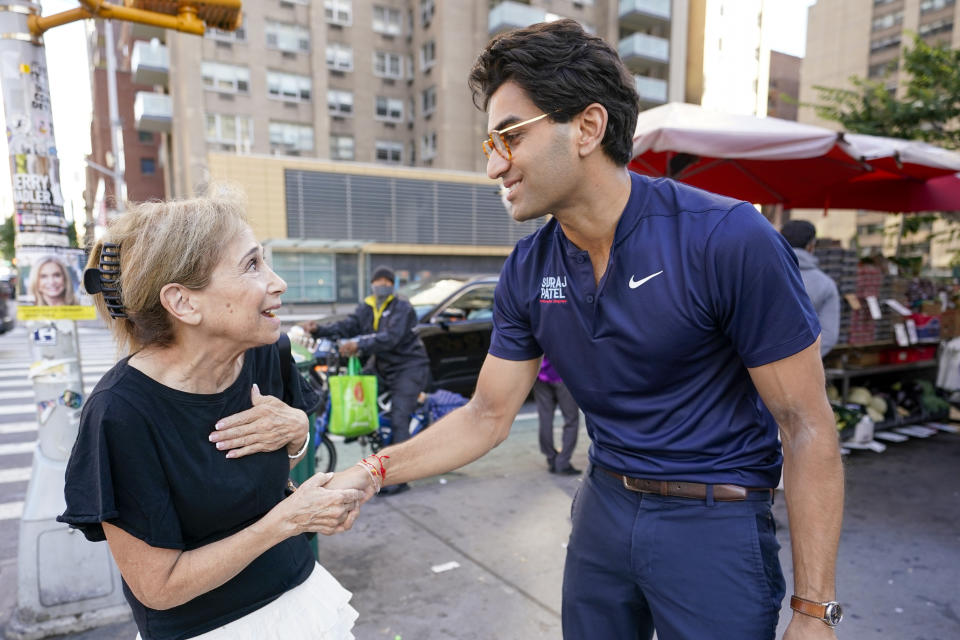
(355,477)
(309,326)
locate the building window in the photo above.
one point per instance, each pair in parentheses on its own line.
(937,26)
(287,37)
(232,132)
(428,55)
(288,86)
(338,12)
(237,35)
(935,5)
(887,21)
(428,145)
(387,21)
(882,69)
(428,101)
(145,136)
(884,43)
(389,109)
(340,102)
(387,65)
(225,78)
(427,9)
(339,57)
(341,148)
(148,166)
(391,152)
(290,139)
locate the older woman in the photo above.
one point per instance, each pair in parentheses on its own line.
(184,449)
(51,284)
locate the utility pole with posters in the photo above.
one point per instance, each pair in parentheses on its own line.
(65,583)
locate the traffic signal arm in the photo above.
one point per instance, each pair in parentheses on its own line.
(188,16)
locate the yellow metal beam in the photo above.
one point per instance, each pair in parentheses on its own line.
(188,16)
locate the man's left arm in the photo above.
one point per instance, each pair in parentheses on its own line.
(793,389)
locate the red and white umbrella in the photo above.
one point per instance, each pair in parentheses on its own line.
(773,161)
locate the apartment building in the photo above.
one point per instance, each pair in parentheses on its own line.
(784,89)
(728,57)
(140,150)
(864,38)
(380,81)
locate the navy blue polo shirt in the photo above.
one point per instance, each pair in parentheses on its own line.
(698,288)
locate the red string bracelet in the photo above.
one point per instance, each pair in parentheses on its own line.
(380,459)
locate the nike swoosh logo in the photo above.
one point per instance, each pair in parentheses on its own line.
(636,283)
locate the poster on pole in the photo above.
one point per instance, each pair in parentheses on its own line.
(49,286)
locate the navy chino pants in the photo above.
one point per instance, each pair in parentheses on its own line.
(685,568)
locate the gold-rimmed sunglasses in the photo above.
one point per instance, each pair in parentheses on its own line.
(496,142)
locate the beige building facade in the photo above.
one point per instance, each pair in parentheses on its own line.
(381,81)
(865,38)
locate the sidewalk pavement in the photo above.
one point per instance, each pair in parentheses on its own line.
(505,522)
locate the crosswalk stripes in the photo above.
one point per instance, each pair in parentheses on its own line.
(17,474)
(18,427)
(18,412)
(11,510)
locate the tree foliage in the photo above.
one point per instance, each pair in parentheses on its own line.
(928,110)
(7,251)
(6,239)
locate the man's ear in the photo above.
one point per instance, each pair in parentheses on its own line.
(179,302)
(592,125)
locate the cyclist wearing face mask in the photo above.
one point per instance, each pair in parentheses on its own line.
(382,326)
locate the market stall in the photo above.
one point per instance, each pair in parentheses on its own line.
(881,374)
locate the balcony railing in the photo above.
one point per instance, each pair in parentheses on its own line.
(153,112)
(651,89)
(640,45)
(150,62)
(653,8)
(513,15)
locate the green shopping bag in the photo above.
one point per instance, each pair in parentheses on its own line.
(353,403)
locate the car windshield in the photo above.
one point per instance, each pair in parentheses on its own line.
(427,294)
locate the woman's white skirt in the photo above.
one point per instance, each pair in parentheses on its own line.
(318,609)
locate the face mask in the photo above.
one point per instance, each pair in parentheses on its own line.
(383,291)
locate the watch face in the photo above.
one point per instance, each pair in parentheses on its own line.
(833,614)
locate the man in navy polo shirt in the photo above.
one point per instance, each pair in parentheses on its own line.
(679,321)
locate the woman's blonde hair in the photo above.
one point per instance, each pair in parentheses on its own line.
(177,241)
(69,296)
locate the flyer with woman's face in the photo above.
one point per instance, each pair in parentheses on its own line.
(49,286)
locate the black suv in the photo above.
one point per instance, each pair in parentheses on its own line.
(456,318)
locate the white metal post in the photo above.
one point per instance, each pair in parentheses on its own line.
(65,583)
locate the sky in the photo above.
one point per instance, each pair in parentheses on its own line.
(788,25)
(69,72)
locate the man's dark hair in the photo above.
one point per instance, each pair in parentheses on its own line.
(563,70)
(799,233)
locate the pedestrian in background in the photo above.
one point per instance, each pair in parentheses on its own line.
(821,288)
(382,326)
(549,392)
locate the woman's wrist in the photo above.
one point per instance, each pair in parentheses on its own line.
(297,446)
(302,449)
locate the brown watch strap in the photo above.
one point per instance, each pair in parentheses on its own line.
(808,607)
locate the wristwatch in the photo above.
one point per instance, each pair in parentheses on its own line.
(829,612)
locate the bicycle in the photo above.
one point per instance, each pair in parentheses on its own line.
(324,361)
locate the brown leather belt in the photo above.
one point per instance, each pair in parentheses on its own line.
(695,490)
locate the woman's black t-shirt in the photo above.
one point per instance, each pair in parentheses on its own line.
(143,462)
